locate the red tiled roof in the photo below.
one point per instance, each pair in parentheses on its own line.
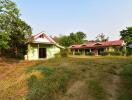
(98,44)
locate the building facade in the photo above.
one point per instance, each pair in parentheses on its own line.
(96,48)
(42,47)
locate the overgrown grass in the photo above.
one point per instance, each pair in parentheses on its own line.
(126,83)
(53,81)
(95,78)
(95,90)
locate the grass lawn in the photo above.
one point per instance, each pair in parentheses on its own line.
(95,78)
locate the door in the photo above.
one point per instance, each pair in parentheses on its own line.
(42,52)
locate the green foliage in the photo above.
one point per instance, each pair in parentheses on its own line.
(63,53)
(127,35)
(65,41)
(96,91)
(78,53)
(115,53)
(4,40)
(129,51)
(53,81)
(111,53)
(104,53)
(90,53)
(14,32)
(101,38)
(73,38)
(126,88)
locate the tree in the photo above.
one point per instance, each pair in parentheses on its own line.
(101,38)
(78,37)
(73,38)
(126,35)
(65,41)
(14,32)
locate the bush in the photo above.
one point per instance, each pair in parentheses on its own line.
(20,56)
(63,53)
(129,51)
(90,53)
(104,53)
(77,53)
(116,53)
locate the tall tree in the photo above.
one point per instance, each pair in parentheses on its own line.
(73,38)
(126,35)
(14,32)
(101,38)
(65,41)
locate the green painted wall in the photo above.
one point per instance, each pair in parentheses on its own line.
(33,54)
(111,49)
(114,49)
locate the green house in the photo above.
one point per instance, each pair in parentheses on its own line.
(42,46)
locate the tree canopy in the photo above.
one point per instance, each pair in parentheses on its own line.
(73,38)
(14,32)
(126,35)
(101,38)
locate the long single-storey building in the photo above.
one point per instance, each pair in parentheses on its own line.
(97,47)
(42,46)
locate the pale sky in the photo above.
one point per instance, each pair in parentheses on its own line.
(89,16)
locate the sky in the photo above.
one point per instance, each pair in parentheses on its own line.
(92,17)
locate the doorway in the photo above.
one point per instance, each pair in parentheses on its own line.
(42,52)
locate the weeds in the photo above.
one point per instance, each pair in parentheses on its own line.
(126,82)
(95,90)
(54,81)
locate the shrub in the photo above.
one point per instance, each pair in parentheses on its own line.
(63,53)
(77,53)
(104,53)
(90,53)
(116,53)
(20,56)
(129,51)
